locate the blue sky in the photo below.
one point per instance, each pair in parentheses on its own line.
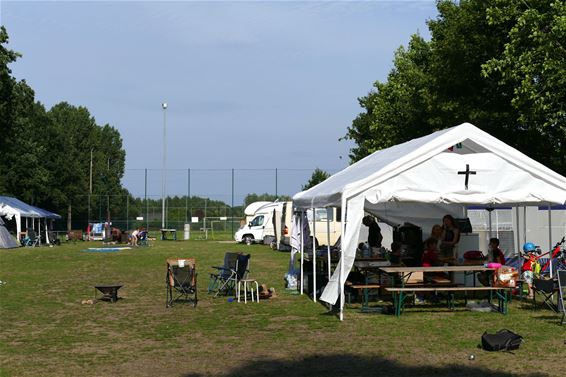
(251,86)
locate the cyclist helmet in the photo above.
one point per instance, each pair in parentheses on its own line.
(529,247)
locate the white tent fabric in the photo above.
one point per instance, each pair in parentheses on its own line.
(446,170)
(300,233)
(6,240)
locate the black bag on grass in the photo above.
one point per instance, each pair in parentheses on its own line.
(503,340)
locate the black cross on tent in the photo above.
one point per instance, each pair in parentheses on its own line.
(467,172)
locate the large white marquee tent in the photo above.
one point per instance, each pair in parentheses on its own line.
(423,179)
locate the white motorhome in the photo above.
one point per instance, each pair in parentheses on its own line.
(261,227)
(326,224)
(270,223)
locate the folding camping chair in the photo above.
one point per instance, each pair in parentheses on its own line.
(225,279)
(546,288)
(31,239)
(181,281)
(562,294)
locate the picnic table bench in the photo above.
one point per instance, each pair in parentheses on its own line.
(365,288)
(399,295)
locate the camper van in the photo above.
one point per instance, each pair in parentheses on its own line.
(272,223)
(260,226)
(326,224)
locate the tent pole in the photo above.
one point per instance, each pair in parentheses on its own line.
(524,224)
(550,236)
(313,254)
(518,236)
(490,210)
(342,280)
(302,249)
(328,212)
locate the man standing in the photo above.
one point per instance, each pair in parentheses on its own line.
(374,231)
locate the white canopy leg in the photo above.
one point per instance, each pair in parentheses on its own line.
(302,251)
(313,254)
(550,237)
(328,212)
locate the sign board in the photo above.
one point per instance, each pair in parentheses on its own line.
(139,218)
(223,218)
(194,219)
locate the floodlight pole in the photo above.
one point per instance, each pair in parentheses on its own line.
(163,176)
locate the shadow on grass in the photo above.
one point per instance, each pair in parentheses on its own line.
(353,365)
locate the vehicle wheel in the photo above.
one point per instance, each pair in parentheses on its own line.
(248,240)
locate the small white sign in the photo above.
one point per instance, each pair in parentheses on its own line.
(194,219)
(139,218)
(223,218)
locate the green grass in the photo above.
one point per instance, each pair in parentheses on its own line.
(45,330)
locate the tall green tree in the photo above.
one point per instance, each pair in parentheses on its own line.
(25,131)
(533,64)
(83,142)
(317,177)
(497,64)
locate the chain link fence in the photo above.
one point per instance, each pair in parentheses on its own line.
(212,201)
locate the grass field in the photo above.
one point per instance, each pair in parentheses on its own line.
(47,331)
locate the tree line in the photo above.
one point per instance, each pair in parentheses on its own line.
(498,64)
(62,160)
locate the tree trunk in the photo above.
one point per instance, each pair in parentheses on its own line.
(69,218)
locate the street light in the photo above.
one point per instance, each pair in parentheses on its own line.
(164,107)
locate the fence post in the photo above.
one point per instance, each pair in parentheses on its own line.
(146,203)
(232,208)
(127,211)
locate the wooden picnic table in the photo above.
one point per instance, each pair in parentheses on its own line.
(400,292)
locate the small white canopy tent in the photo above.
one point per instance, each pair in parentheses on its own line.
(433,175)
(12,207)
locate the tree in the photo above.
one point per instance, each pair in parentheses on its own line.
(497,64)
(78,136)
(533,65)
(251,198)
(317,177)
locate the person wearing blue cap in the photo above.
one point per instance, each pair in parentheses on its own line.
(529,265)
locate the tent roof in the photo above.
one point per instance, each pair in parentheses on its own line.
(431,169)
(9,205)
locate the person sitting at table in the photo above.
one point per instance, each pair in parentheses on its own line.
(450,236)
(430,253)
(436,233)
(396,248)
(494,255)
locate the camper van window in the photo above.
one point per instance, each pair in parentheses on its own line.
(321,214)
(257,221)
